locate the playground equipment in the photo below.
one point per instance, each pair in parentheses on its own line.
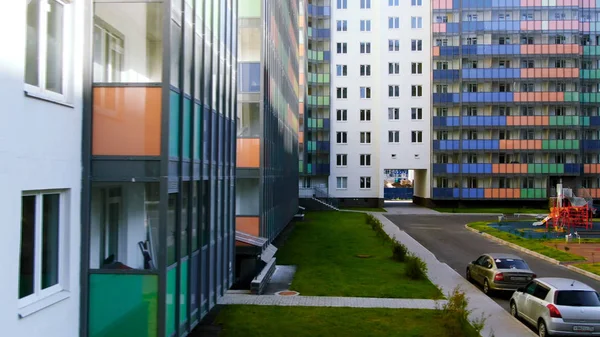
(568,211)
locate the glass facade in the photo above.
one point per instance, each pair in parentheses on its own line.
(159,206)
(515,98)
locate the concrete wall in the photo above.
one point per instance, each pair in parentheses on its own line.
(40,145)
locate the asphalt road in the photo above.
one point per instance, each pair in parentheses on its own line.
(446,237)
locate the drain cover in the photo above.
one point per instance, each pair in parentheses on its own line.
(287,293)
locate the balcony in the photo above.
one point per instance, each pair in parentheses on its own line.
(248,153)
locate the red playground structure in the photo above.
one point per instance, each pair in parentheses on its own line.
(568,212)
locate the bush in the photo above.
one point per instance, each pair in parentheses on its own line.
(377,226)
(415,269)
(455,314)
(399,251)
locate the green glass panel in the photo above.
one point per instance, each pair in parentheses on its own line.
(319,123)
(184,292)
(300,166)
(249,9)
(326,100)
(585,121)
(320,100)
(326,78)
(545,168)
(320,56)
(538,193)
(309,168)
(531,168)
(545,144)
(174,124)
(123,305)
(187,128)
(562,144)
(523,193)
(170,314)
(575,144)
(197,131)
(553,144)
(552,168)
(560,168)
(552,120)
(320,78)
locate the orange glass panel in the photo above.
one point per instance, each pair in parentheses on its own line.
(301,136)
(495,193)
(487,193)
(247,224)
(436,51)
(126,121)
(502,193)
(248,152)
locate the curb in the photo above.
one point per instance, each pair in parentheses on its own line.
(538,255)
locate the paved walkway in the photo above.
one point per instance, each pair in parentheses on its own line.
(499,323)
(326,301)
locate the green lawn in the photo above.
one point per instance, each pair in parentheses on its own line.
(365,209)
(591,267)
(325,247)
(266,321)
(493,210)
(534,245)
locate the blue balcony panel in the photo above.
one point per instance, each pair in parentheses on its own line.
(483,121)
(446,75)
(477,168)
(487,97)
(472,193)
(491,73)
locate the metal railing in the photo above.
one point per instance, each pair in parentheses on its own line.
(324,196)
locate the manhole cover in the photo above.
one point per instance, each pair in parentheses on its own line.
(287,293)
(364,256)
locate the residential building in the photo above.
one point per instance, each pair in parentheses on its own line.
(380,97)
(158,200)
(515,99)
(40,172)
(267,129)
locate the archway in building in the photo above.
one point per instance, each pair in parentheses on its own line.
(405,186)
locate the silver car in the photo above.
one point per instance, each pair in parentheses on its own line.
(499,272)
(558,307)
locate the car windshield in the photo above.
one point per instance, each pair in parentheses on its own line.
(578,298)
(511,264)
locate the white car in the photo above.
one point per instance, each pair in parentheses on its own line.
(558,307)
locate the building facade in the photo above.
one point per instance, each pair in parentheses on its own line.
(41,167)
(158,206)
(380,97)
(267,125)
(515,98)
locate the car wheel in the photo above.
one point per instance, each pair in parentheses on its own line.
(542,331)
(486,287)
(513,310)
(469,278)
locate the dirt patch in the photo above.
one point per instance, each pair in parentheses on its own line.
(590,251)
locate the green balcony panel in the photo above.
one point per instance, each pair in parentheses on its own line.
(184,292)
(319,123)
(326,78)
(326,100)
(197,131)
(309,168)
(539,193)
(320,100)
(590,97)
(320,78)
(320,56)
(187,128)
(300,166)
(589,73)
(571,97)
(591,50)
(123,305)
(585,121)
(170,314)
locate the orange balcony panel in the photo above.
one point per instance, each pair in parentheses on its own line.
(247,224)
(301,137)
(248,152)
(502,193)
(126,121)
(436,51)
(487,193)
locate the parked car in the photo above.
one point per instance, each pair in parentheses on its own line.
(499,272)
(558,307)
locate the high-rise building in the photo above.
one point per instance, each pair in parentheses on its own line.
(515,98)
(40,170)
(267,129)
(158,201)
(380,97)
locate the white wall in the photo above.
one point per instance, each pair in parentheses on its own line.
(40,147)
(407,154)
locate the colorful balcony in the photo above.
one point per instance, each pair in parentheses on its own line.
(248,152)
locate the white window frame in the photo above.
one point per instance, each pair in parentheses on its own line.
(393,22)
(395,89)
(342,158)
(40,91)
(416,22)
(418,47)
(416,3)
(394,3)
(365,4)
(367,183)
(363,160)
(416,113)
(394,67)
(367,70)
(395,136)
(365,92)
(341,183)
(393,114)
(395,45)
(42,298)
(365,25)
(418,135)
(416,68)
(341,115)
(343,134)
(342,4)
(368,139)
(418,90)
(364,115)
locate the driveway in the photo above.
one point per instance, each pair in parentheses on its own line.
(445,236)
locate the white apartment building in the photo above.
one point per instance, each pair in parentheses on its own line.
(380,95)
(40,166)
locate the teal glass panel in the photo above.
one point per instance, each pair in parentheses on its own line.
(187,128)
(123,305)
(170,314)
(174,124)
(197,131)
(184,292)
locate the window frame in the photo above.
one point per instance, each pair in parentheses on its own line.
(365,160)
(367,183)
(341,160)
(416,136)
(341,183)
(394,113)
(365,138)
(365,115)
(341,115)
(416,113)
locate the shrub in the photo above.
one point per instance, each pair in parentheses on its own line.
(377,226)
(399,251)
(455,314)
(415,269)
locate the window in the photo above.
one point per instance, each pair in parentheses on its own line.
(365,25)
(393,22)
(472,17)
(365,137)
(394,136)
(365,160)
(365,70)
(365,47)
(560,63)
(416,22)
(441,88)
(393,113)
(393,3)
(441,19)
(365,182)
(441,65)
(416,45)
(441,42)
(527,64)
(472,135)
(441,112)
(365,115)
(472,87)
(442,135)
(342,25)
(472,111)
(416,2)
(393,45)
(472,182)
(341,115)
(416,91)
(341,159)
(365,92)
(342,4)
(394,68)
(342,47)
(417,68)
(471,41)
(504,64)
(472,158)
(341,183)
(417,136)
(342,92)
(43,226)
(393,91)
(341,70)
(365,3)
(341,137)
(527,183)
(416,113)
(45,46)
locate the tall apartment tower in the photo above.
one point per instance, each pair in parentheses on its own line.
(267,129)
(380,97)
(515,98)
